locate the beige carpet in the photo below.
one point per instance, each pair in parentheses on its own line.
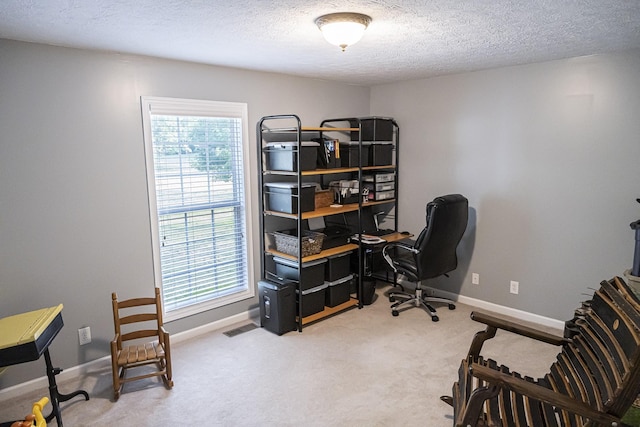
(359,368)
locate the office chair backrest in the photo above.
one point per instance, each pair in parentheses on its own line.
(447,218)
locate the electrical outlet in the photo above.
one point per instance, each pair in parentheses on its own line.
(475,278)
(514,288)
(84,335)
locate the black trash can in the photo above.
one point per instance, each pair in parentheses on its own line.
(368,290)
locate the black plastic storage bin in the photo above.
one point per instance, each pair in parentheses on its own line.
(312,272)
(338,292)
(277,306)
(374,129)
(282,156)
(350,151)
(281,197)
(381,154)
(313,300)
(337,267)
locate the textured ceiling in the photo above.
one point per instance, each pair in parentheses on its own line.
(407,39)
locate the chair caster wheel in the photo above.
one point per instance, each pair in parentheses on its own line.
(452,306)
(392,299)
(435,318)
(395,313)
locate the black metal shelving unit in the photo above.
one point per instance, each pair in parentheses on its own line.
(289,127)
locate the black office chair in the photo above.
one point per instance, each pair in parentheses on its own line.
(433,254)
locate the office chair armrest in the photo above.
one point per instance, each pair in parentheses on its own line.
(537,392)
(494,323)
(398,245)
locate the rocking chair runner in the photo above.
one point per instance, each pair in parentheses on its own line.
(136,355)
(593,382)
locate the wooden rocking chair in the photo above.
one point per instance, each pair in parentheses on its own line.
(593,382)
(139,322)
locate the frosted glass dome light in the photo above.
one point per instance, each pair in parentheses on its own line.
(343,29)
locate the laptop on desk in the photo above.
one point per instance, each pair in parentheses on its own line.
(369,225)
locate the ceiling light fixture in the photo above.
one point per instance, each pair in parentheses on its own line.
(343,29)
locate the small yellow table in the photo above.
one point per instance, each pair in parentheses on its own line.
(27,336)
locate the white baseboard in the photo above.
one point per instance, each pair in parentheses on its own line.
(105,362)
(214,326)
(505,311)
(42,383)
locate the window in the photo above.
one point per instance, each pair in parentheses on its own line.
(199,205)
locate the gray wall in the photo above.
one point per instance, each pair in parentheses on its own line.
(548,155)
(74,218)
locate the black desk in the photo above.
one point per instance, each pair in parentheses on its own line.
(27,336)
(374,263)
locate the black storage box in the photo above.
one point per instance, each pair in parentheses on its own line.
(312,272)
(277,306)
(338,292)
(313,300)
(374,129)
(334,236)
(337,267)
(381,154)
(282,156)
(281,197)
(349,154)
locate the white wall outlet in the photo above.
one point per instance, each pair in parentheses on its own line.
(475,278)
(514,287)
(84,335)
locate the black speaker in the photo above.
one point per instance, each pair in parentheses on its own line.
(277,306)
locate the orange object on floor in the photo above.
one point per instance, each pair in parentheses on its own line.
(36,418)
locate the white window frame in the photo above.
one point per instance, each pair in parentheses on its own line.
(190,107)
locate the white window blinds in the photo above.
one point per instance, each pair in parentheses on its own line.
(199,198)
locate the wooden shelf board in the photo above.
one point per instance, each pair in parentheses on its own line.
(378,202)
(328,171)
(329,129)
(310,129)
(394,237)
(330,311)
(368,168)
(326,253)
(316,172)
(328,210)
(344,170)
